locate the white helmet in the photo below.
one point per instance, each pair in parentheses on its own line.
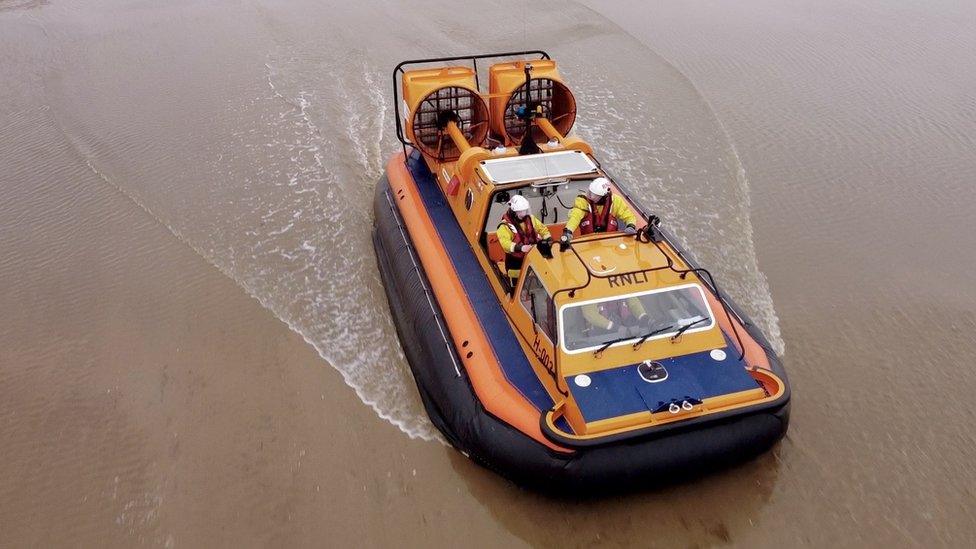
(600,186)
(518,204)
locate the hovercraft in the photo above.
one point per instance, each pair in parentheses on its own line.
(513,371)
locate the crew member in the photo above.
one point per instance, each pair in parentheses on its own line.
(599,211)
(617,314)
(602,211)
(518,232)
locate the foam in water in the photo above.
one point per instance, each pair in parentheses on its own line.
(704,200)
(309,259)
(286,211)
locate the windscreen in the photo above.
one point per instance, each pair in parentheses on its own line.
(626,319)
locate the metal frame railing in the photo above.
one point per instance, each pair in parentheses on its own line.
(473,59)
(649,234)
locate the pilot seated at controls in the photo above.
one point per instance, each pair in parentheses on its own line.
(518,232)
(599,211)
(618,315)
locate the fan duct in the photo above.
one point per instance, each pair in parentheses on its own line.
(544,93)
(428,124)
(553,101)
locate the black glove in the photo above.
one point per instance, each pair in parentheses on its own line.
(650,232)
(565,240)
(644,322)
(545,248)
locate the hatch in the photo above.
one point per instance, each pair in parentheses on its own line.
(538,166)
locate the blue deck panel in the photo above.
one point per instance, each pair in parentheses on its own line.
(494,323)
(621,391)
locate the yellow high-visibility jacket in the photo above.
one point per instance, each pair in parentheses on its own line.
(618,209)
(506,234)
(592,314)
(506,238)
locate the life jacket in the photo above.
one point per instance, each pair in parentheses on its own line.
(616,311)
(601,222)
(523,233)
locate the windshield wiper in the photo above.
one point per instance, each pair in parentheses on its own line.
(644,337)
(648,335)
(608,344)
(685,327)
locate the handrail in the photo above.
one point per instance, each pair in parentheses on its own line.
(590,275)
(710,282)
(474,64)
(703,274)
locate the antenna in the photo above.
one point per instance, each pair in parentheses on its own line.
(527,113)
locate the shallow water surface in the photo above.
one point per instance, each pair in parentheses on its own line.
(198,349)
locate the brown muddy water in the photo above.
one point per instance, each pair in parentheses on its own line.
(195,348)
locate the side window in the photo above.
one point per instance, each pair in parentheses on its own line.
(538,303)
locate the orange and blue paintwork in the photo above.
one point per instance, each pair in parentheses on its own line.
(519,375)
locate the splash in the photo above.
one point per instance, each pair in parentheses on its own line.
(696,183)
(313,165)
(306,221)
(275,190)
